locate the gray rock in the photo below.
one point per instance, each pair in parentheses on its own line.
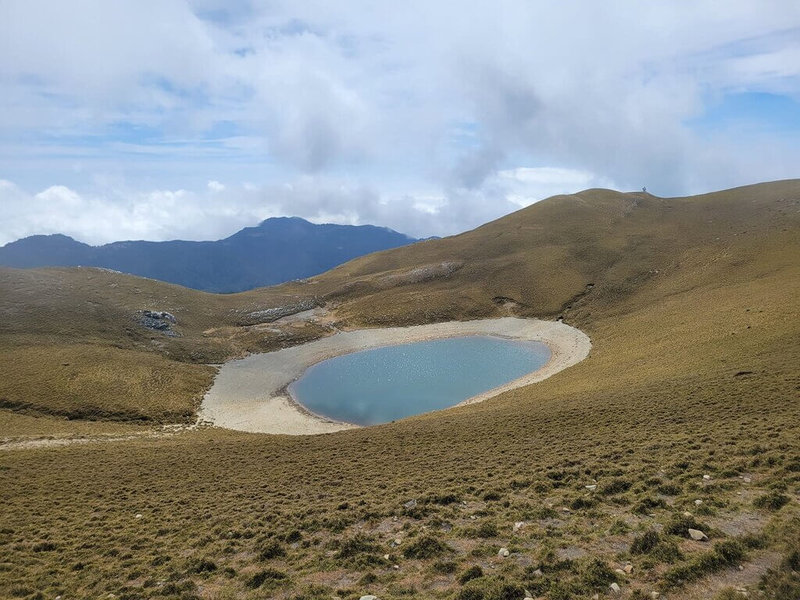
(368,597)
(157,320)
(410,504)
(268,315)
(697,535)
(615,589)
(504,552)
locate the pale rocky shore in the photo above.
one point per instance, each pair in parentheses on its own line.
(250,394)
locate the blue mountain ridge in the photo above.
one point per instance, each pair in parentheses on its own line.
(277,250)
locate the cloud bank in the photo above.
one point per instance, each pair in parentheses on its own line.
(157,120)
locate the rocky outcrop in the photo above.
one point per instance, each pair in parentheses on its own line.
(268,315)
(158,320)
(420,274)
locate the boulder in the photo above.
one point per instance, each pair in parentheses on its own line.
(697,535)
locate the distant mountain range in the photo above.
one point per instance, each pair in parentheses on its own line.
(277,250)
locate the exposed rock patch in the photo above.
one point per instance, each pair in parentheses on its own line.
(420,274)
(268,315)
(158,320)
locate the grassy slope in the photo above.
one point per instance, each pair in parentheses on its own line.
(695,325)
(71,346)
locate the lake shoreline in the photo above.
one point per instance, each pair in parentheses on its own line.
(251,394)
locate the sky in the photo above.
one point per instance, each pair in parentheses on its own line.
(190,119)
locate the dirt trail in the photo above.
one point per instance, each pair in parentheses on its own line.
(36,442)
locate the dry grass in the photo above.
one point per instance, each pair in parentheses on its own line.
(694,371)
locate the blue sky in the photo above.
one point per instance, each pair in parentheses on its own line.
(163,119)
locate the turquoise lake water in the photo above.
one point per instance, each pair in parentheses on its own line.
(392,382)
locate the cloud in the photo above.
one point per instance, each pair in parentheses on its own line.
(120,213)
(416,113)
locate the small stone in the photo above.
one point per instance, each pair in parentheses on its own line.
(138,516)
(538,573)
(686,513)
(615,588)
(628,568)
(385,557)
(518,525)
(746,479)
(741,567)
(698,502)
(707,477)
(655,595)
(596,597)
(619,571)
(504,552)
(397,541)
(368,597)
(697,535)
(565,509)
(396,567)
(410,504)
(591,487)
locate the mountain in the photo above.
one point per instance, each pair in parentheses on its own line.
(277,250)
(685,414)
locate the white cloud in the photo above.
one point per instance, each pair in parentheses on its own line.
(120,213)
(425,116)
(524,185)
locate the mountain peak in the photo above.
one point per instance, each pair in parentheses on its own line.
(278,249)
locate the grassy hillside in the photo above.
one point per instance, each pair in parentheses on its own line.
(691,393)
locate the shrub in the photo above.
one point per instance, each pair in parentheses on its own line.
(615,486)
(647,505)
(597,575)
(680,524)
(271,549)
(358,544)
(491,588)
(202,565)
(444,566)
(583,502)
(425,547)
(771,501)
(669,489)
(724,554)
(266,576)
(487,529)
(472,573)
(645,543)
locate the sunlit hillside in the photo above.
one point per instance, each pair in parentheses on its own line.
(686,415)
